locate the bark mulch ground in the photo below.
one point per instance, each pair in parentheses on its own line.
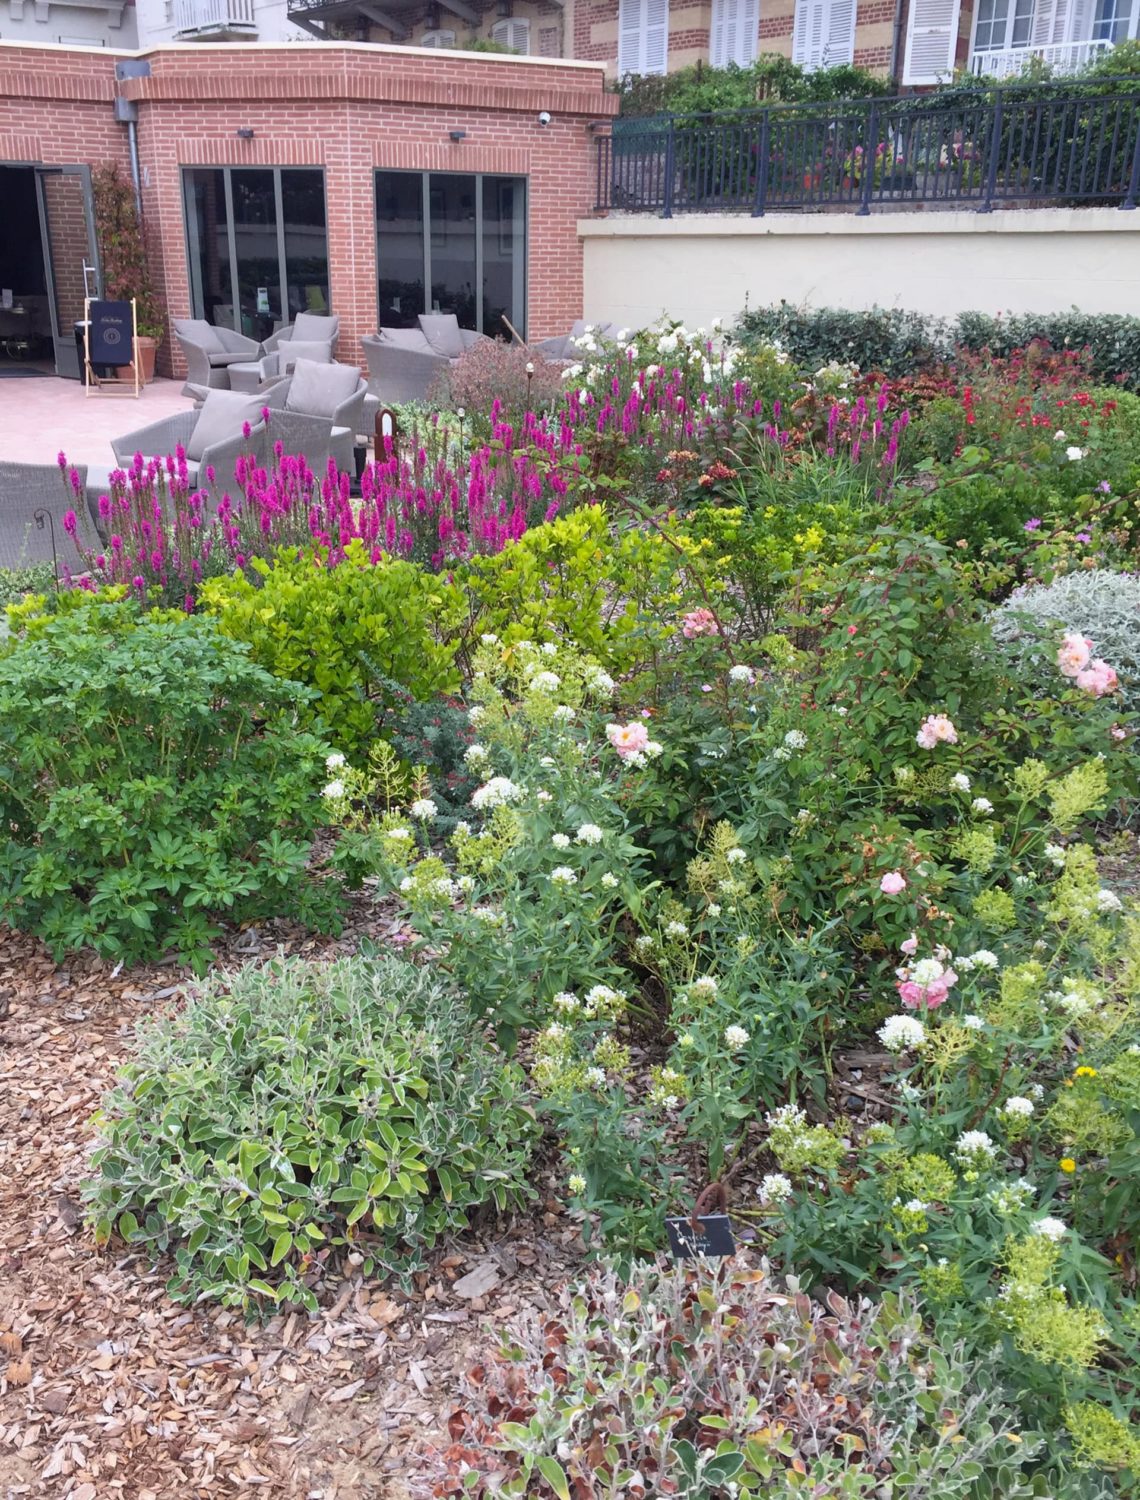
(110,1391)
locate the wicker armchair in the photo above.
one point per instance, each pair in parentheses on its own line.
(209,352)
(306,328)
(213,437)
(318,411)
(27,488)
(404,362)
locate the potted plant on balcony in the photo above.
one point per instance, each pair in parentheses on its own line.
(122,254)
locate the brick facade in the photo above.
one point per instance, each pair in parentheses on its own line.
(346,108)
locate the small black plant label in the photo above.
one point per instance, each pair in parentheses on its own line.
(712,1237)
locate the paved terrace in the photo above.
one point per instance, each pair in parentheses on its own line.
(40,417)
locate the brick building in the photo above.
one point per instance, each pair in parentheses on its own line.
(373,181)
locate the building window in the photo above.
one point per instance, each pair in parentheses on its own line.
(1002,24)
(643,36)
(823,34)
(1112,21)
(514,33)
(437,39)
(461,236)
(258,245)
(734,34)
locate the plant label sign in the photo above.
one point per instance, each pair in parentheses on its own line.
(711,1237)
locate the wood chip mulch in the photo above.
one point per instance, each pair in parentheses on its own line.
(110,1391)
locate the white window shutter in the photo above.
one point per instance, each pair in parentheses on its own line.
(931,41)
(656,51)
(630,33)
(437,39)
(1080,23)
(810,32)
(718,51)
(799,31)
(839,33)
(748,35)
(1048,22)
(513,33)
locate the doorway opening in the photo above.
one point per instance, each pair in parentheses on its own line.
(48,268)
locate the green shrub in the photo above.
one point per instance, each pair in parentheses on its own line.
(37,578)
(343,630)
(701,89)
(151,780)
(295,1105)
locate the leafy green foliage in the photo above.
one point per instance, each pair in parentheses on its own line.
(294,1106)
(701,89)
(15,583)
(151,781)
(122,249)
(342,630)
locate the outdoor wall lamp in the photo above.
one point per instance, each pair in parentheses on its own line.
(457,135)
(245,133)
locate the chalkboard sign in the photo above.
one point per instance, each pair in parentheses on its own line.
(711,1235)
(111,333)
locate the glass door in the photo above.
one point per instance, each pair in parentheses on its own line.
(67,224)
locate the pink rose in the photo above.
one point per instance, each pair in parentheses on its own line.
(1073,656)
(936,729)
(699,622)
(627,739)
(909,947)
(892,883)
(912,995)
(1098,679)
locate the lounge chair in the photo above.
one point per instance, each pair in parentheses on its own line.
(261,374)
(26,489)
(318,411)
(306,328)
(213,437)
(210,351)
(403,363)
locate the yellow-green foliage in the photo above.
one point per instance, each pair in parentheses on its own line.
(614,595)
(1102,1440)
(316,625)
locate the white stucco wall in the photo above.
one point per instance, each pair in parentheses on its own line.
(105,23)
(700,266)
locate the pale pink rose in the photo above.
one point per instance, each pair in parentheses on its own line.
(912,995)
(910,946)
(1098,678)
(936,729)
(935,994)
(1073,656)
(1118,733)
(699,622)
(892,883)
(627,739)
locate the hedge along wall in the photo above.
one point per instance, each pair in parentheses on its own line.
(700,266)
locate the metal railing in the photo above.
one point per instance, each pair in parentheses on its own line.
(213,15)
(1008,62)
(1006,145)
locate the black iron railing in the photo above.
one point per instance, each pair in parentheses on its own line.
(1004,146)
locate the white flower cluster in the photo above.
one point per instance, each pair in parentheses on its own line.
(960,781)
(475,756)
(704,988)
(982,959)
(335,761)
(1012,1197)
(975,1148)
(676,930)
(563,875)
(496,793)
(1076,997)
(589,833)
(1051,1229)
(900,1033)
(560,840)
(741,674)
(424,809)
(334,790)
(774,1188)
(1018,1107)
(735,1037)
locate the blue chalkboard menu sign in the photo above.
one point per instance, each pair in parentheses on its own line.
(111,333)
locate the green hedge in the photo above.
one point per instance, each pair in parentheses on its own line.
(899,342)
(701,89)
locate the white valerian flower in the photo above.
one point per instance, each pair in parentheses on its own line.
(589,833)
(489,915)
(610,881)
(475,755)
(837,708)
(927,971)
(424,809)
(576,1182)
(600,682)
(547,762)
(560,840)
(335,761)
(1055,854)
(466,883)
(973,1023)
(548,648)
(713,909)
(475,714)
(975,1147)
(982,806)
(741,673)
(463,829)
(601,1000)
(736,856)
(897,1033)
(735,1037)
(704,988)
(563,875)
(1018,1106)
(644,943)
(334,790)
(595,1077)
(401,835)
(781,752)
(566,1002)
(984,959)
(496,792)
(795,739)
(774,1188)
(1074,454)
(489,638)
(1059,435)
(653,749)
(542,796)
(960,781)
(564,713)
(1051,1229)
(676,930)
(1107,900)
(546,682)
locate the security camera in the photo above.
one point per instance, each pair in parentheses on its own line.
(544,117)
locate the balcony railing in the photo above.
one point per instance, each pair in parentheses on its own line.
(1063,57)
(195,16)
(1013,144)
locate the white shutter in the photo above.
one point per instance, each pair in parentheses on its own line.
(630,32)
(748,44)
(839,34)
(656,53)
(513,33)
(718,48)
(807,33)
(1080,22)
(931,41)
(734,34)
(437,39)
(1048,22)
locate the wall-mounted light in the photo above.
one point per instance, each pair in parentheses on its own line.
(245,133)
(457,135)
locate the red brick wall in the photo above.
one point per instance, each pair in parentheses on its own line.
(348,109)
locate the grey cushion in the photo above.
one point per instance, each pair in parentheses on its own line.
(294,349)
(317,390)
(221,417)
(313,326)
(198,331)
(442,332)
(406,338)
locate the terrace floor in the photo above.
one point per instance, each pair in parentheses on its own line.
(41,417)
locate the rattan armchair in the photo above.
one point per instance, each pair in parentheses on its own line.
(209,352)
(28,488)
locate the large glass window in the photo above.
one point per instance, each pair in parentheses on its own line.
(460,236)
(257,244)
(1111,21)
(1003,24)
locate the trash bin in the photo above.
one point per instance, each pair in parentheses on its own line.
(105,372)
